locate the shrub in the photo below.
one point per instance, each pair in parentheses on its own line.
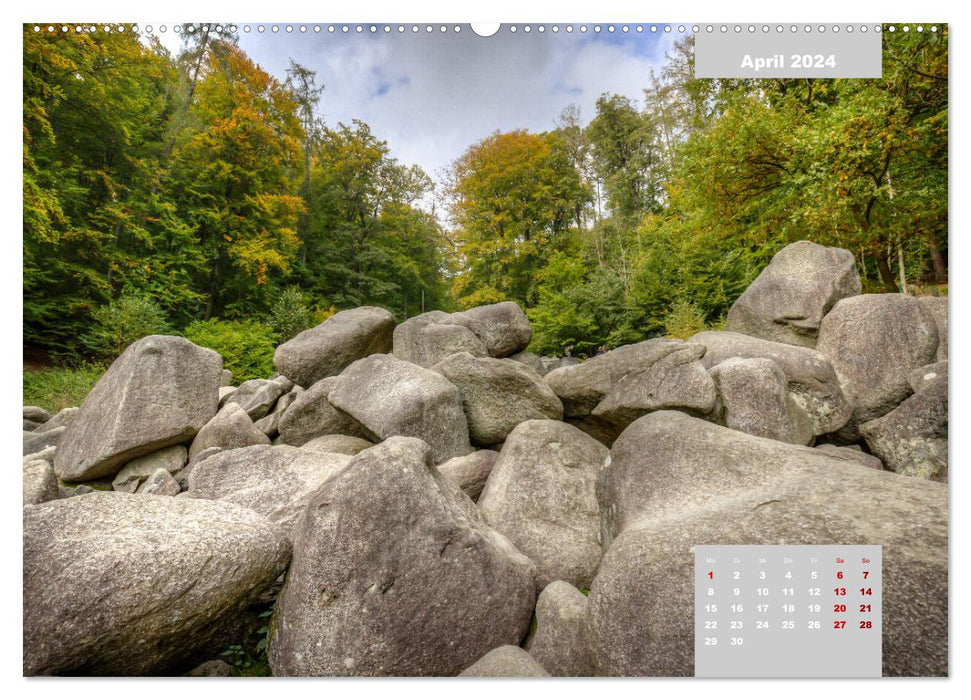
(60,387)
(684,320)
(246,346)
(121,323)
(291,313)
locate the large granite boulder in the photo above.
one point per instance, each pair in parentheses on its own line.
(675,482)
(38,440)
(159,392)
(752,397)
(275,481)
(391,397)
(258,396)
(563,641)
(506,662)
(123,584)
(429,338)
(470,472)
(938,308)
(541,494)
(232,427)
(812,381)
(396,574)
(502,327)
(40,483)
(312,415)
(160,483)
(339,444)
(61,418)
(912,438)
(874,342)
(498,395)
(132,475)
(327,349)
(788,300)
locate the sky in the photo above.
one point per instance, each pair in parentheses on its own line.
(432,95)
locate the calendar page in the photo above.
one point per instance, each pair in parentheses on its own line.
(522,349)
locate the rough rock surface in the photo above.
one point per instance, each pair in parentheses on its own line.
(874,342)
(257,396)
(912,438)
(812,381)
(38,440)
(582,386)
(752,397)
(275,481)
(675,482)
(311,415)
(498,395)
(563,641)
(677,381)
(431,337)
(503,327)
(938,308)
(159,392)
(217,668)
(269,424)
(171,459)
(470,472)
(232,427)
(921,377)
(541,494)
(379,549)
(505,662)
(325,350)
(36,414)
(40,483)
(788,300)
(848,453)
(122,584)
(531,360)
(391,397)
(160,483)
(339,444)
(61,418)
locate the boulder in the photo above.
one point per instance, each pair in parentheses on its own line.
(923,376)
(503,327)
(812,381)
(752,397)
(498,395)
(675,482)
(36,414)
(61,418)
(541,494)
(159,392)
(269,424)
(325,350)
(391,397)
(46,454)
(226,378)
(582,386)
(40,483)
(874,342)
(217,668)
(563,641)
(854,455)
(275,481)
(160,483)
(38,440)
(30,426)
(531,360)
(431,337)
(225,393)
(677,381)
(787,302)
(171,459)
(395,573)
(256,396)
(912,438)
(312,415)
(122,584)
(506,662)
(338,444)
(938,308)
(232,427)
(470,472)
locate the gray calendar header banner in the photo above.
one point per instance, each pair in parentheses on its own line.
(788,54)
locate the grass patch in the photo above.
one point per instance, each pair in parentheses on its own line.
(60,387)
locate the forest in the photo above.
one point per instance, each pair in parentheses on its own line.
(195,194)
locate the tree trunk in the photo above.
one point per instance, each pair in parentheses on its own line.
(901,269)
(886,274)
(937,260)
